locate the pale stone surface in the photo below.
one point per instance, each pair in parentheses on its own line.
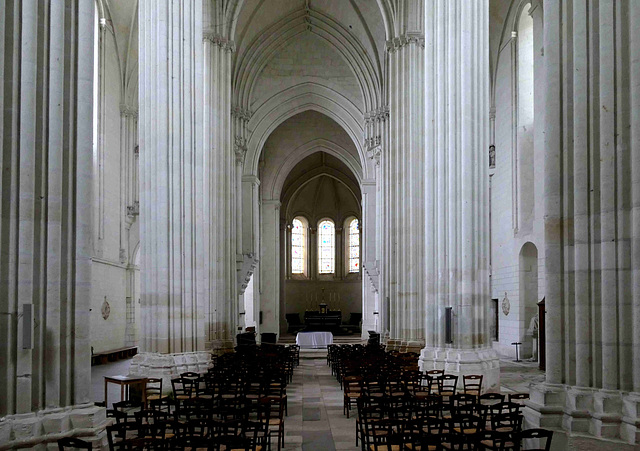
(169,366)
(457,213)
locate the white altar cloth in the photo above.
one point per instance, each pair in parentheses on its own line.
(314,340)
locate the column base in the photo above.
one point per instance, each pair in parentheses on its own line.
(169,366)
(460,362)
(41,430)
(592,418)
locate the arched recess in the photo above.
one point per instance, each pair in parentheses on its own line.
(303,151)
(288,103)
(301,182)
(528,294)
(319,194)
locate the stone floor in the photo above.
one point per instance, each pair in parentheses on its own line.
(315,420)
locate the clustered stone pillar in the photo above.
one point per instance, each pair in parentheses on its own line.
(592,223)
(173,169)
(456,172)
(46,68)
(402,167)
(220,178)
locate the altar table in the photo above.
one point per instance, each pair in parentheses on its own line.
(314,340)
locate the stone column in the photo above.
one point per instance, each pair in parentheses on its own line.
(592,224)
(369,269)
(173,168)
(270,268)
(46,68)
(219,205)
(456,172)
(403,172)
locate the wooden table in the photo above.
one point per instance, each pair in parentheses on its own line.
(125,382)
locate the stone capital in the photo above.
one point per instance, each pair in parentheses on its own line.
(398,43)
(216,39)
(128,110)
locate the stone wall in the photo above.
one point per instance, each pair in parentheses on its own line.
(518,174)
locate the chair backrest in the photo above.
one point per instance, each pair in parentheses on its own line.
(491,398)
(504,407)
(460,399)
(472,382)
(153,387)
(518,398)
(72,442)
(535,434)
(117,435)
(506,422)
(190,375)
(151,423)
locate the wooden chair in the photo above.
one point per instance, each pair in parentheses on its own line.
(352,391)
(72,442)
(272,413)
(472,384)
(181,392)
(434,380)
(153,390)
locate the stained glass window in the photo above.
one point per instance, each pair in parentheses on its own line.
(326,247)
(298,246)
(354,246)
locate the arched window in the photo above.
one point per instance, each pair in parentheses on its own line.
(525,161)
(354,246)
(299,246)
(326,247)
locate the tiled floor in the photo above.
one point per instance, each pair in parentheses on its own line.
(315,420)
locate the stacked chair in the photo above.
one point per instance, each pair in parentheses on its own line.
(238,404)
(401,408)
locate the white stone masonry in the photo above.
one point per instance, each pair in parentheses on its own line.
(592,223)
(456,179)
(46,69)
(173,169)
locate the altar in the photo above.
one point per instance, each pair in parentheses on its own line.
(314,340)
(322,320)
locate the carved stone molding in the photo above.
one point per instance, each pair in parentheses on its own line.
(128,110)
(377,115)
(375,153)
(241,113)
(249,264)
(214,38)
(240,148)
(371,270)
(400,42)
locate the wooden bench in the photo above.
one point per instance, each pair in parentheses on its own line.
(113,355)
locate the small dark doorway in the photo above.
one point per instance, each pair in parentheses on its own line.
(495,323)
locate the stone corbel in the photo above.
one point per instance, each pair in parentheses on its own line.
(240,149)
(249,264)
(374,154)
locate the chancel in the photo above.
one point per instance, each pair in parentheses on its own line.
(434,188)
